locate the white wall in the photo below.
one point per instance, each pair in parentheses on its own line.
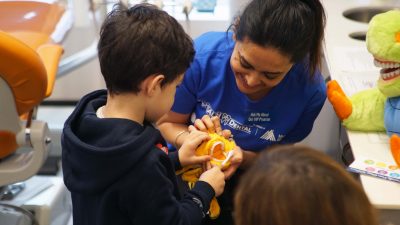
(326,131)
(88,77)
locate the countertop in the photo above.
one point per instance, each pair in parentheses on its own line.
(349,62)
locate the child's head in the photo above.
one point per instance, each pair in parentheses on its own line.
(296,185)
(139,42)
(293,27)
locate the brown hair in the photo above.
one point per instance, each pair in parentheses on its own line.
(294,27)
(139,42)
(296,185)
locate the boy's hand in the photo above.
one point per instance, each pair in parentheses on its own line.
(186,153)
(211,125)
(216,178)
(236,160)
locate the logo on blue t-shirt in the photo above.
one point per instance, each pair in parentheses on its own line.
(270,136)
(239,129)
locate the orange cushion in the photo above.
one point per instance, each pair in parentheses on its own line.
(32,39)
(40,17)
(23,70)
(50,55)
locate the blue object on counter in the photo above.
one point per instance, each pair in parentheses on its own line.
(206,5)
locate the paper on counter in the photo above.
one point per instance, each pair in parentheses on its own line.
(355,69)
(353,82)
(353,59)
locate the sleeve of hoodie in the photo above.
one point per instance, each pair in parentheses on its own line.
(174,157)
(153,201)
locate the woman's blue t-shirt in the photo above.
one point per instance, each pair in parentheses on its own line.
(285,115)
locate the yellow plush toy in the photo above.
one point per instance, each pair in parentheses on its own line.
(221,150)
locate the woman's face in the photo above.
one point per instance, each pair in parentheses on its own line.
(258,69)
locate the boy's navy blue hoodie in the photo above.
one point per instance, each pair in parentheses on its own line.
(117,175)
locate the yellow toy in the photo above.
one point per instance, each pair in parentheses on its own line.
(221,150)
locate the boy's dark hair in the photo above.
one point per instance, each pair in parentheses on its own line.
(294,27)
(296,185)
(138,42)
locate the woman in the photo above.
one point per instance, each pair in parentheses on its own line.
(261,81)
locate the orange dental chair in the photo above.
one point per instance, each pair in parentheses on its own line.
(26,77)
(30,62)
(28,67)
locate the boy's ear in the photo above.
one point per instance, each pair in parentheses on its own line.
(152,84)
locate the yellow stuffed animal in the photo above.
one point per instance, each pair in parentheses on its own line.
(221,150)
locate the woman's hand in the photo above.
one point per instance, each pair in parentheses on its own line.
(211,125)
(186,153)
(236,160)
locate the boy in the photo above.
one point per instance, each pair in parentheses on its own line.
(111,162)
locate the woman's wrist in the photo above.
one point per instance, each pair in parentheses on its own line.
(248,158)
(179,136)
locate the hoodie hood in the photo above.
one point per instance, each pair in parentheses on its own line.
(97,152)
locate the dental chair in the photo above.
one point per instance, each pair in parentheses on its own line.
(26,77)
(29,59)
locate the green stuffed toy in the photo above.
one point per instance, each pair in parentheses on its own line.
(376,109)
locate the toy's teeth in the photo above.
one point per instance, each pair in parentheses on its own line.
(390,73)
(386,65)
(217,146)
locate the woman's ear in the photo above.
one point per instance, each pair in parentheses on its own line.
(152,84)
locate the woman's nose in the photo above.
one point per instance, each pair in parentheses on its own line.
(252,79)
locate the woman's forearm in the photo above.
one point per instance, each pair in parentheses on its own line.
(173,127)
(173,133)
